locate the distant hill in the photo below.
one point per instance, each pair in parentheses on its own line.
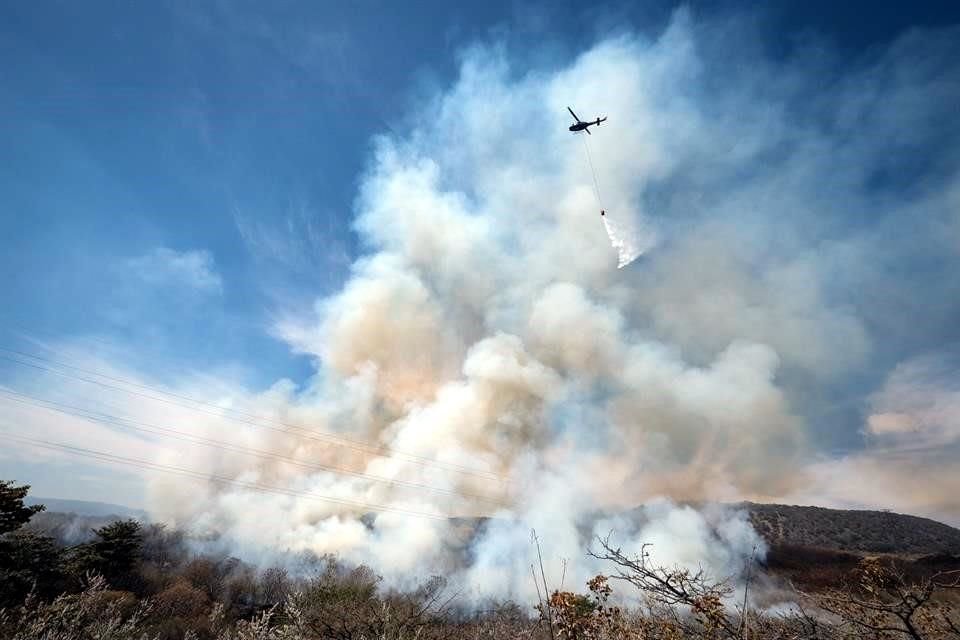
(86,508)
(73,521)
(67,528)
(851,531)
(834,529)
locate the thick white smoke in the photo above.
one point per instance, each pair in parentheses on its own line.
(488,343)
(489,329)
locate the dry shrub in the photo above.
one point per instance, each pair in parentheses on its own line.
(348,605)
(883,603)
(95,614)
(204,574)
(181,600)
(586,617)
(240,591)
(273,586)
(499,621)
(156,579)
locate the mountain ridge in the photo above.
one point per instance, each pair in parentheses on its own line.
(852,530)
(86,507)
(857,531)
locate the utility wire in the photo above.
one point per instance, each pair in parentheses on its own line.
(24,359)
(154,429)
(148,465)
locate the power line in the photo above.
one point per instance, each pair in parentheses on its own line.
(145,427)
(245,417)
(148,465)
(221,412)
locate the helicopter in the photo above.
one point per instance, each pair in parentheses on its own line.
(580,125)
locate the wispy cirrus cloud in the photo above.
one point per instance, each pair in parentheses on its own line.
(193,269)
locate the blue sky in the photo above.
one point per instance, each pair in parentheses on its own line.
(233,128)
(180,179)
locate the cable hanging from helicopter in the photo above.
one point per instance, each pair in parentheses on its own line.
(627,251)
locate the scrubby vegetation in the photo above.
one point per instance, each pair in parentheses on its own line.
(127,581)
(852,531)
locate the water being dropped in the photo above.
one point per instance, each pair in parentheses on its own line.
(623,239)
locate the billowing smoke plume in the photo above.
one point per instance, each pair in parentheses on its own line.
(490,347)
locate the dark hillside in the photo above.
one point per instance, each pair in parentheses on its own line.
(853,531)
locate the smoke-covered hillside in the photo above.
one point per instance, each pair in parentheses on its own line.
(854,532)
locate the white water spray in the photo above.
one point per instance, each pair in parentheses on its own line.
(623,241)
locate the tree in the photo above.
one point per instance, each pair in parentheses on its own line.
(13,513)
(28,562)
(162,547)
(114,555)
(119,545)
(667,589)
